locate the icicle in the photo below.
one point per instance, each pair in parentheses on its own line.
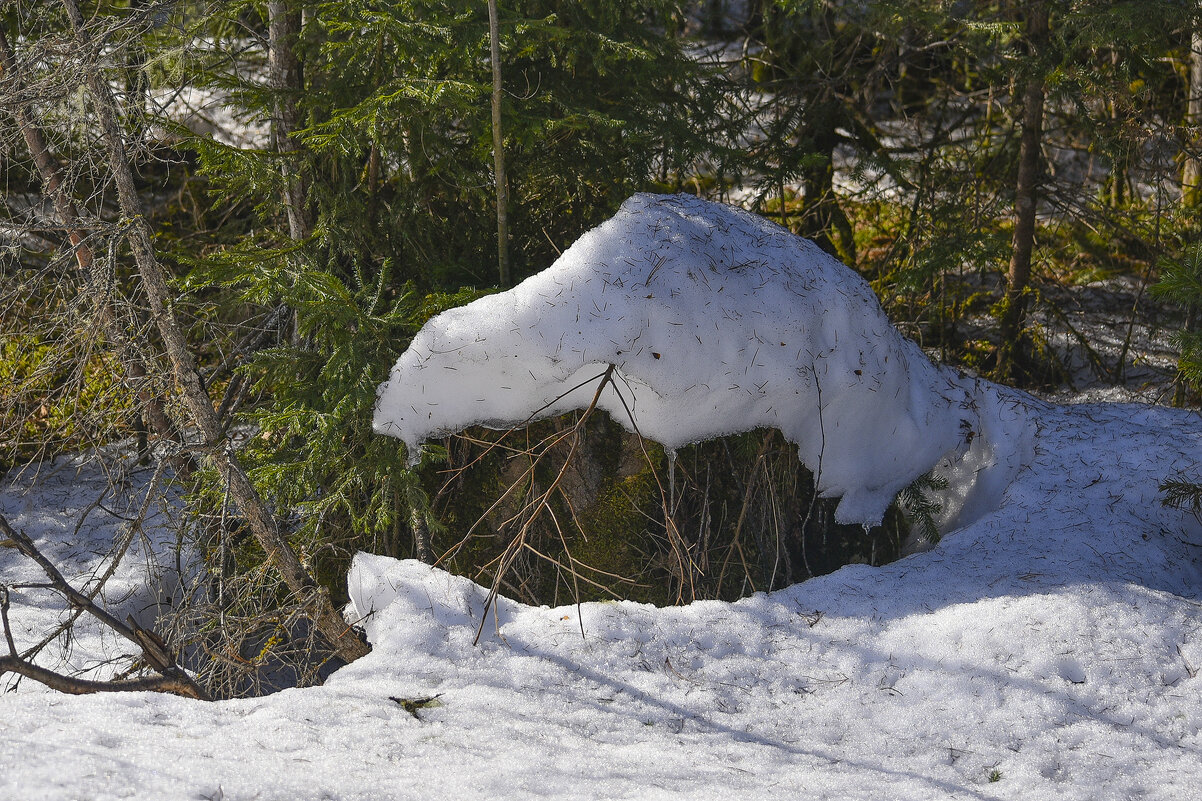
(413,458)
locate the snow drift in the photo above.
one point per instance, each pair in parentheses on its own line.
(717,321)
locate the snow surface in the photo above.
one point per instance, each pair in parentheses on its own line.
(211,113)
(76,508)
(1049,648)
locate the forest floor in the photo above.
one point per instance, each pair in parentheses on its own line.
(1114,339)
(1050,648)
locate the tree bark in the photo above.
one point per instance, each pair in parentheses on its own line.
(1025,196)
(76,686)
(421,535)
(822,218)
(47,169)
(1119,170)
(260,519)
(283,29)
(137,83)
(498,148)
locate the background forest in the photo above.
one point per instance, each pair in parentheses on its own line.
(222,221)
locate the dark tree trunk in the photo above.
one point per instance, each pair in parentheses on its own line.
(1120,169)
(283,30)
(1026,197)
(822,218)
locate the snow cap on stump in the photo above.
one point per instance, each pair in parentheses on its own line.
(717,322)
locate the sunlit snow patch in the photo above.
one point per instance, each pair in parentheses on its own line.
(717,321)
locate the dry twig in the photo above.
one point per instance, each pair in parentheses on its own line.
(155,654)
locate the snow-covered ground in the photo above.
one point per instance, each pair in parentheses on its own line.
(1047,648)
(78,510)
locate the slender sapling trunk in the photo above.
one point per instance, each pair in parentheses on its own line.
(498,148)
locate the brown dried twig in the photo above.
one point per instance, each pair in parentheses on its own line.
(534,508)
(539,505)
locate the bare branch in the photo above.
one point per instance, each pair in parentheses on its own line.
(77,686)
(154,651)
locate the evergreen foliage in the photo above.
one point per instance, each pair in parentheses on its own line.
(1181,282)
(888,132)
(396,156)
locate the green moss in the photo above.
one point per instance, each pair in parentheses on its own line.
(55,397)
(615,539)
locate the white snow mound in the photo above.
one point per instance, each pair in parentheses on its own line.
(717,322)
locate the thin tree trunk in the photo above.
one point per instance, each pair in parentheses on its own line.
(1025,197)
(35,141)
(262,522)
(1120,168)
(421,535)
(284,23)
(1191,325)
(1191,173)
(137,83)
(498,148)
(822,218)
(283,29)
